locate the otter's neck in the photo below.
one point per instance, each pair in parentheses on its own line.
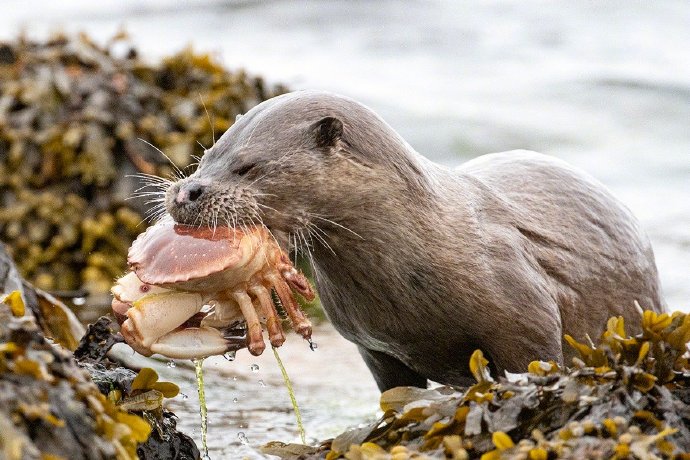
(386,256)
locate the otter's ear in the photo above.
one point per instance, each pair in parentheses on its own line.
(327,131)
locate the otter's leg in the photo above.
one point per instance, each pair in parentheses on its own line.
(389,372)
(526,338)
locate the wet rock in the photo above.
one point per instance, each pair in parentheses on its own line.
(49,407)
(139,393)
(110,378)
(97,341)
(171,444)
(55,320)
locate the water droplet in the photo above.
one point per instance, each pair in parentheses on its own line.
(230,356)
(235,400)
(171,364)
(206,457)
(184,396)
(254,368)
(262,383)
(313,345)
(243,438)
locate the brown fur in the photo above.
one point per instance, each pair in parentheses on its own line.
(419,264)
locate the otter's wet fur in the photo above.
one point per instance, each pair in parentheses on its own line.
(419,264)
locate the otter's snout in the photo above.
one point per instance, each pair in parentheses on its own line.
(188,192)
(186,199)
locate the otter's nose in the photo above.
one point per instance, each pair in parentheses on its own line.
(189,192)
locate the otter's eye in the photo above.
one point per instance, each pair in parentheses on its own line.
(245,169)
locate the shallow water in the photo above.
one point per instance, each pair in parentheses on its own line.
(248,404)
(604,85)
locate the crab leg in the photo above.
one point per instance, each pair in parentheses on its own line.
(299,321)
(225,311)
(294,278)
(255,340)
(275,332)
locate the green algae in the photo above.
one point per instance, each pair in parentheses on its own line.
(293,399)
(198,363)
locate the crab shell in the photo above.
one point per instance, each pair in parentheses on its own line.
(196,259)
(179,269)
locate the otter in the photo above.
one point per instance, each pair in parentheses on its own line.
(419,264)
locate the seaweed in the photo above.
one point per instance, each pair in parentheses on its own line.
(49,408)
(625,397)
(140,394)
(77,120)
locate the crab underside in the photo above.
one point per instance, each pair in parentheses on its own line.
(197,292)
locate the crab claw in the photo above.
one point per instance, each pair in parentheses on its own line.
(153,316)
(197,342)
(169,322)
(126,291)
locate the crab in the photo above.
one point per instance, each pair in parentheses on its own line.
(190,290)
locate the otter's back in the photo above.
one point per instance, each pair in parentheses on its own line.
(586,243)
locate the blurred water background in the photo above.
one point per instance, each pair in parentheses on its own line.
(604,85)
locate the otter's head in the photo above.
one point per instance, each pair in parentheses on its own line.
(298,163)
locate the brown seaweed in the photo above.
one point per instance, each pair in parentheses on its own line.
(77,119)
(625,397)
(49,408)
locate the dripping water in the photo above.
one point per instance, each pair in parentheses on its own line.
(202,405)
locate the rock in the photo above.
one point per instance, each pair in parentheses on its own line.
(97,341)
(170,445)
(118,383)
(48,405)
